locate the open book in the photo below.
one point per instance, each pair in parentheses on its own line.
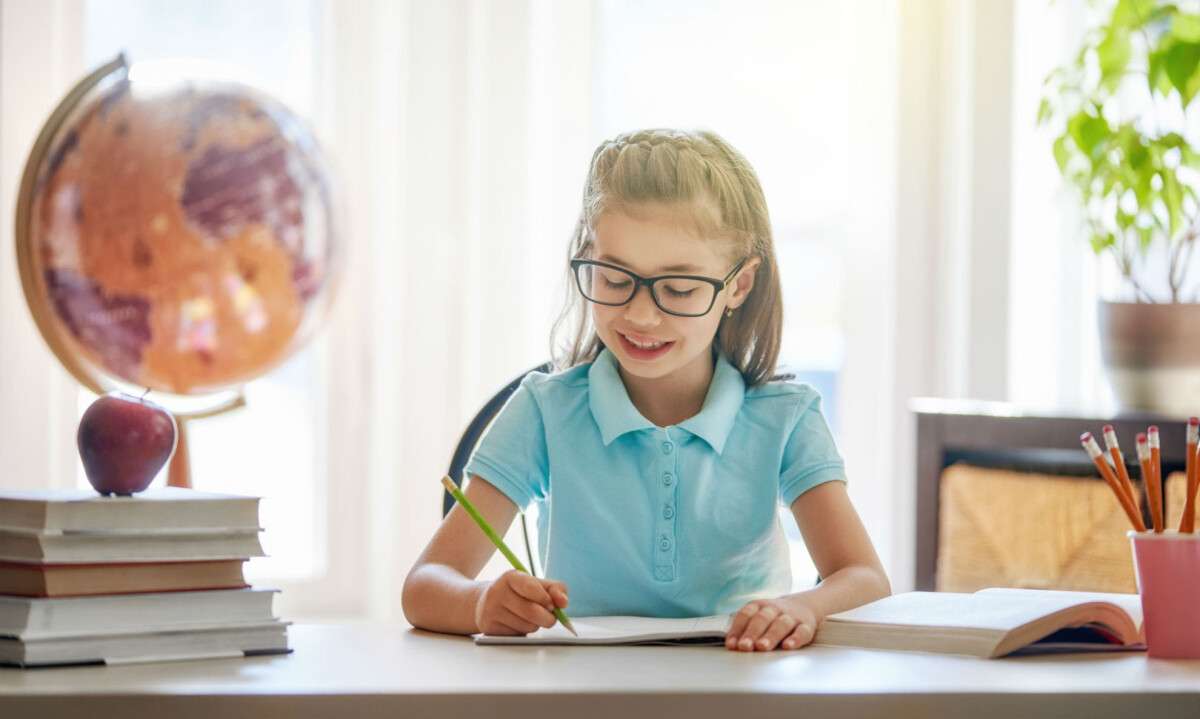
(988,623)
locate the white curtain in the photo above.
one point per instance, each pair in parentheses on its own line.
(462,131)
(41,58)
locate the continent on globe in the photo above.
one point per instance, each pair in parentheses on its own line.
(183,238)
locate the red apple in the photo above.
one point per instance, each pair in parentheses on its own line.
(123,442)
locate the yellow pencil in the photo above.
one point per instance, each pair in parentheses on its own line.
(461,498)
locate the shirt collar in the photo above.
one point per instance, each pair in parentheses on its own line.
(615,414)
(610,403)
(721,406)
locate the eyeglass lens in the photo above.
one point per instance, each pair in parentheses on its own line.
(677,295)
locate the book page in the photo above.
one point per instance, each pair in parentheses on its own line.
(996,610)
(1131,604)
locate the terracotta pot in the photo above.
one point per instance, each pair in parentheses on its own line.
(1152,355)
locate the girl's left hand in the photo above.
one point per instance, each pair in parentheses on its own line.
(761,625)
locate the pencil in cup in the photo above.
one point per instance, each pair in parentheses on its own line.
(1097,457)
(461,498)
(1152,476)
(1188,522)
(1114,450)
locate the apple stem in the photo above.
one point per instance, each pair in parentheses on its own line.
(145,393)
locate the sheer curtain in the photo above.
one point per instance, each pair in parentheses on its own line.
(41,57)
(462,131)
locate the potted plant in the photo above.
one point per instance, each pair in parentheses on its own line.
(1120,113)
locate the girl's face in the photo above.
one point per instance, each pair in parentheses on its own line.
(648,342)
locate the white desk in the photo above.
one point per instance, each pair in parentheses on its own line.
(362,670)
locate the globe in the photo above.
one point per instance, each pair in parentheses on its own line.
(175,233)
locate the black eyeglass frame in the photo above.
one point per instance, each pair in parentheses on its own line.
(649,282)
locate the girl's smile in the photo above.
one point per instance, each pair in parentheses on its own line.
(643,347)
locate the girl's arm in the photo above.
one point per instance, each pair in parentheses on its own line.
(440,592)
(851,575)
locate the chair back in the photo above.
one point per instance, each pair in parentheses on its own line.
(470,438)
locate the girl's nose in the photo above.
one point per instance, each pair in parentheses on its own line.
(641,310)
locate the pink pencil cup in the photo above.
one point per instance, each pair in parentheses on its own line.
(1168,578)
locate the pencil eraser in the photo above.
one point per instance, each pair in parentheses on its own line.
(1110,437)
(1153,433)
(1193,430)
(1141,438)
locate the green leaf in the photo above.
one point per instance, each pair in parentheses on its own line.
(1045,111)
(1181,63)
(1088,132)
(1173,198)
(1113,53)
(1062,155)
(1132,14)
(1191,158)
(1124,219)
(1172,139)
(1156,73)
(1137,157)
(1186,27)
(1145,237)
(1100,243)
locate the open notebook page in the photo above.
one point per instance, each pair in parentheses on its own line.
(622,630)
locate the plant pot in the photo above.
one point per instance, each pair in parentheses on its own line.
(1152,355)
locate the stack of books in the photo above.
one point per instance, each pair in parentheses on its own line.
(86,579)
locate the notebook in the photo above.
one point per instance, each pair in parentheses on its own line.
(989,623)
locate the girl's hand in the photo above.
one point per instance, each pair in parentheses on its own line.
(762,624)
(517,603)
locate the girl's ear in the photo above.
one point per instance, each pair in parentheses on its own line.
(739,288)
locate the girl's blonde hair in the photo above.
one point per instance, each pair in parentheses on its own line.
(715,189)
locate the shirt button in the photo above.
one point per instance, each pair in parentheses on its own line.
(668,512)
(667,479)
(667,447)
(665,543)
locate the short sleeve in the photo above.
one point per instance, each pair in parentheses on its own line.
(810,456)
(511,455)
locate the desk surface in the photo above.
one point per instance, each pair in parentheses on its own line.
(352,670)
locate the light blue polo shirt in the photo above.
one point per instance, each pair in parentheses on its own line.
(642,520)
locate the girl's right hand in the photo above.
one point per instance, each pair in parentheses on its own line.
(517,603)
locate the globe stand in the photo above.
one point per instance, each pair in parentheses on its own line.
(179,471)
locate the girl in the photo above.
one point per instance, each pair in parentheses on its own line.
(658,456)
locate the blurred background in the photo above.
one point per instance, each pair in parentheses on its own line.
(925,240)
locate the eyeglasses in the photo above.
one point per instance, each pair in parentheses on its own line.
(679,295)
